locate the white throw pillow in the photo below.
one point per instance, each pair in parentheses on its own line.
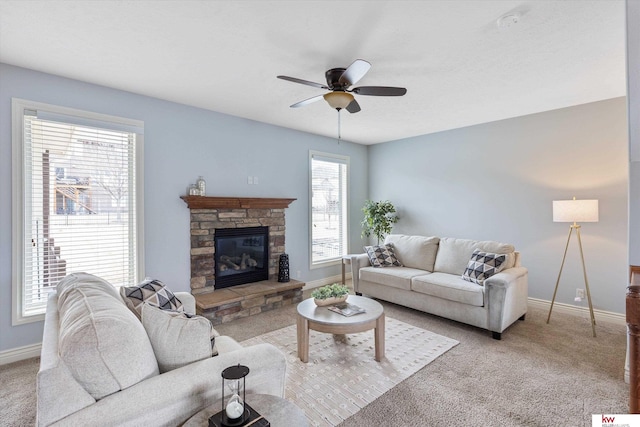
(178,338)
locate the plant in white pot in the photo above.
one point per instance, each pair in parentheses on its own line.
(379,218)
(330,294)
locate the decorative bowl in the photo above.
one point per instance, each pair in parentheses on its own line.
(330,300)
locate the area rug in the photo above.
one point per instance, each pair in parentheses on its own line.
(342,376)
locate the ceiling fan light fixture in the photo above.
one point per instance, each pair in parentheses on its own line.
(338,99)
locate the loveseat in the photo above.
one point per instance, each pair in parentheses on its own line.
(426,273)
(98,364)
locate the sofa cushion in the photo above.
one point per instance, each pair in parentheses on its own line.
(483,265)
(75,280)
(151,291)
(454,254)
(382,256)
(450,287)
(178,338)
(101,341)
(395,277)
(415,251)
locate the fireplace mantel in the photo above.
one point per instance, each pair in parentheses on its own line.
(205,202)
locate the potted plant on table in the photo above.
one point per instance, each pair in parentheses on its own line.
(330,294)
(379,218)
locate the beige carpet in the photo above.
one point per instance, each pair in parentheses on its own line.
(342,376)
(540,374)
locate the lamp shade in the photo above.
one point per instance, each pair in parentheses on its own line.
(338,99)
(575,210)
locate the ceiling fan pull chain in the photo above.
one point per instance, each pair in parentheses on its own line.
(339,136)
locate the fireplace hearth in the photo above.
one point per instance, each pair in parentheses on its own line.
(209,217)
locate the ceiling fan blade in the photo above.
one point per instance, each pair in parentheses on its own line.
(355,72)
(304,82)
(379,90)
(307,101)
(353,107)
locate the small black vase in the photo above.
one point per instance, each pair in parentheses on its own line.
(283,268)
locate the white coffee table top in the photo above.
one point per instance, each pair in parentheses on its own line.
(309,310)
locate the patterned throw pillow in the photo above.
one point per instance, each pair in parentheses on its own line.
(151,291)
(483,265)
(382,256)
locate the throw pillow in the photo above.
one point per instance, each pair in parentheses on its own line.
(151,291)
(483,265)
(178,338)
(382,256)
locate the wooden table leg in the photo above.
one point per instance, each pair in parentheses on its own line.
(302,325)
(379,337)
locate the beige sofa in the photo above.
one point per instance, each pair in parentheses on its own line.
(430,280)
(98,366)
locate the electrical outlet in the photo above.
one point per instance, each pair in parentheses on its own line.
(255,180)
(249,180)
(580,293)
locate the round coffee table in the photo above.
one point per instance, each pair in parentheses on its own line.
(322,319)
(279,412)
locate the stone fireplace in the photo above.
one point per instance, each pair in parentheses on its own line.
(212,216)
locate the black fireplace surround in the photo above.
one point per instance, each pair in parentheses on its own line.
(241,255)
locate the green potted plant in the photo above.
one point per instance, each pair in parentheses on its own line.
(379,218)
(330,294)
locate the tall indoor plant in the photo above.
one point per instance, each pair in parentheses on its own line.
(379,218)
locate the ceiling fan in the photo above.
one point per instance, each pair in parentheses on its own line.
(339,80)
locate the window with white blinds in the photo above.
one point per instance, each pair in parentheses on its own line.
(329,215)
(77,181)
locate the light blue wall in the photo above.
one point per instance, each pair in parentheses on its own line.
(180,143)
(496,181)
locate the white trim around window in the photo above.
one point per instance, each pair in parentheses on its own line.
(328,208)
(47,125)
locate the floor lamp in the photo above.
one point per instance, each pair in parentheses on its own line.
(575,211)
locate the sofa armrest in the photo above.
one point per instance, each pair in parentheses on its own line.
(188,301)
(506,277)
(173,397)
(357,262)
(506,295)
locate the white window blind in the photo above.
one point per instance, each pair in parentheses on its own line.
(329,217)
(79,203)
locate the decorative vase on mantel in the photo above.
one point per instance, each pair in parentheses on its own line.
(330,300)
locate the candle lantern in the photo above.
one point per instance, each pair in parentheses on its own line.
(234,410)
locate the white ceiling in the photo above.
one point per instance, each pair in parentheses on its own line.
(458,66)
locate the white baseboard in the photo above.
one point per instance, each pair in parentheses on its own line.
(20,353)
(600,315)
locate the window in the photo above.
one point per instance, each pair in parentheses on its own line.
(77,180)
(329,215)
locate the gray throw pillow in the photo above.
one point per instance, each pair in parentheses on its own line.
(178,338)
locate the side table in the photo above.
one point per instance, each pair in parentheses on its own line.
(279,412)
(346,260)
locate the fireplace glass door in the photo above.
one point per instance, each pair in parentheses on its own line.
(241,256)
